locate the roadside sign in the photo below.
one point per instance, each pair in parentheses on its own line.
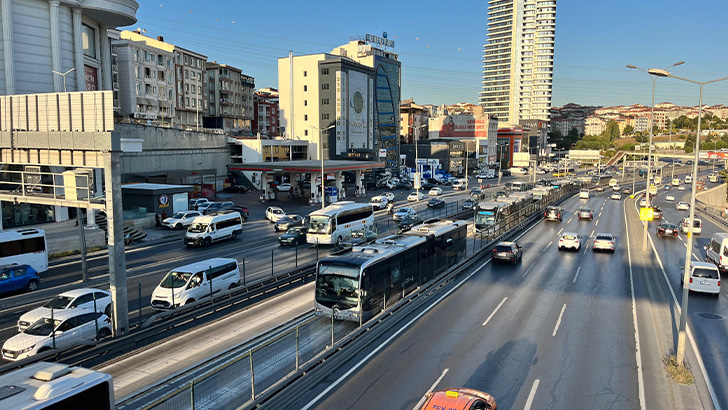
(646,214)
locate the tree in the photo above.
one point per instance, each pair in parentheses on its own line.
(628,129)
(611,132)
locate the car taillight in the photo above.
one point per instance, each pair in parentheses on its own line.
(718,283)
(691,280)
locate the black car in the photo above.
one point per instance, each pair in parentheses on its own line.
(293,236)
(403,185)
(244,212)
(507,251)
(665,229)
(506,172)
(433,181)
(428,185)
(470,203)
(436,203)
(408,222)
(216,206)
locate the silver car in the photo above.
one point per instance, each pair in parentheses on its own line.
(401,212)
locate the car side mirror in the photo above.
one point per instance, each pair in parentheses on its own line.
(705,247)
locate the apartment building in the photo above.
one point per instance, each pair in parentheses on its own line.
(413,122)
(518,59)
(230,99)
(265,106)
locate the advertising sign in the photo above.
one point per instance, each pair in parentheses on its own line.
(164,201)
(712,155)
(382,153)
(340,111)
(358,104)
(461,126)
(91,78)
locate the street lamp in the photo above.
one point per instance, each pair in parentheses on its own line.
(418,177)
(649,152)
(680,351)
(64,76)
(321,144)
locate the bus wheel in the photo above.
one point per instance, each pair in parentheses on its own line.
(339,240)
(31,285)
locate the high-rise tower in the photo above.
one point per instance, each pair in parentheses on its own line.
(518,59)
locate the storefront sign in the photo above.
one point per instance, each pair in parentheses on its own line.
(164,201)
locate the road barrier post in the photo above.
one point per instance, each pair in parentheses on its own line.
(96,320)
(53,333)
(296,252)
(139,303)
(209,273)
(271,263)
(243,271)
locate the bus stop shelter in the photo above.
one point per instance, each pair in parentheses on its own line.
(295,169)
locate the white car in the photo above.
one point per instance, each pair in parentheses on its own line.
(273,214)
(604,241)
(643,202)
(704,277)
(402,212)
(570,240)
(616,196)
(483,175)
(584,194)
(284,187)
(415,196)
(682,206)
(389,195)
(73,300)
(72,328)
(435,191)
(615,188)
(181,219)
(379,202)
(669,197)
(195,202)
(681,188)
(204,205)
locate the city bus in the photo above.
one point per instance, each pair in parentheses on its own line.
(488,215)
(333,224)
(24,246)
(44,385)
(519,186)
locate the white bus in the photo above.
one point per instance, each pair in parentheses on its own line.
(333,224)
(24,246)
(44,385)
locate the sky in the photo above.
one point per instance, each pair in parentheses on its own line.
(440,44)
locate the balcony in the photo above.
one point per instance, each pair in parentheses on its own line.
(113,13)
(225,101)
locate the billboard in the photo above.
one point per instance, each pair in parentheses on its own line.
(460,126)
(358,107)
(340,111)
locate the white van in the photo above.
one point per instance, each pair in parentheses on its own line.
(195,281)
(584,194)
(215,227)
(688,179)
(697,225)
(704,277)
(459,184)
(717,250)
(675,182)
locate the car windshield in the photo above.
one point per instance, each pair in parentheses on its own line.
(705,273)
(295,230)
(175,279)
(43,327)
(284,220)
(320,224)
(404,210)
(58,302)
(178,215)
(377,200)
(339,284)
(198,227)
(669,226)
(587,210)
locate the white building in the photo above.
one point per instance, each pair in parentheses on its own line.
(594,125)
(40,36)
(518,59)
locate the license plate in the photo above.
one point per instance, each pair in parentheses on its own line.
(704,282)
(668,231)
(503,254)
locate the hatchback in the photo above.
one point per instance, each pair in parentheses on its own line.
(415,196)
(77,299)
(669,197)
(554,213)
(704,277)
(18,277)
(586,213)
(507,251)
(435,191)
(570,240)
(459,399)
(604,241)
(616,196)
(666,229)
(682,206)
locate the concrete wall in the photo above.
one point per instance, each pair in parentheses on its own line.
(167,149)
(714,197)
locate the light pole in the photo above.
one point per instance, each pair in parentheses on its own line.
(64,76)
(680,351)
(500,161)
(418,177)
(649,152)
(321,144)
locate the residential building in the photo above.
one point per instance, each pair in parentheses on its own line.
(230,99)
(594,125)
(145,77)
(191,88)
(328,101)
(518,59)
(39,37)
(642,123)
(413,122)
(265,106)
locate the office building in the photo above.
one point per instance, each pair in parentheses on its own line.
(518,59)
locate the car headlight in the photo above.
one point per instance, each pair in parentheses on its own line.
(27,349)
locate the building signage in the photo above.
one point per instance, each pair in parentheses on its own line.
(164,201)
(340,112)
(460,126)
(91,76)
(382,153)
(382,41)
(357,108)
(712,155)
(145,115)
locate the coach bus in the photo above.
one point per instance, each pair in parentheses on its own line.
(333,224)
(24,246)
(359,284)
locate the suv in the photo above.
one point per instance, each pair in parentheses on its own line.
(18,277)
(704,277)
(507,251)
(554,213)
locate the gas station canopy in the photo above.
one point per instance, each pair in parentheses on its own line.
(311,166)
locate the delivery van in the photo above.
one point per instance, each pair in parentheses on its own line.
(195,281)
(215,227)
(717,250)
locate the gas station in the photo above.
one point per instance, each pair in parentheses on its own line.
(333,170)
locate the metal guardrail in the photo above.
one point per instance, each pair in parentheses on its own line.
(711,212)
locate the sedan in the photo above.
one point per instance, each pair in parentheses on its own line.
(415,196)
(643,202)
(586,213)
(435,191)
(389,195)
(402,212)
(408,222)
(436,203)
(243,211)
(508,252)
(287,222)
(616,196)
(404,185)
(293,236)
(626,191)
(180,219)
(666,229)
(77,299)
(615,188)
(570,240)
(604,241)
(273,213)
(469,204)
(428,185)
(284,187)
(363,237)
(682,206)
(669,197)
(681,188)
(599,188)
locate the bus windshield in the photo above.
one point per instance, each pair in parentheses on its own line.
(198,227)
(175,279)
(320,224)
(339,284)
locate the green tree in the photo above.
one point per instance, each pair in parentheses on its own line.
(628,129)
(611,132)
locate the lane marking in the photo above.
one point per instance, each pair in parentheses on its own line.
(696,258)
(577,274)
(492,314)
(592,234)
(686,245)
(597,223)
(531,395)
(600,213)
(569,220)
(559,232)
(527,270)
(424,396)
(585,248)
(558,322)
(548,245)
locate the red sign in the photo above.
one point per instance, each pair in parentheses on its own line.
(91,74)
(463,126)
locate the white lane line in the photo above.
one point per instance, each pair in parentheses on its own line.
(585,248)
(592,234)
(600,214)
(558,322)
(680,237)
(686,245)
(527,270)
(559,232)
(424,396)
(531,395)
(548,245)
(577,274)
(569,220)
(492,314)
(696,258)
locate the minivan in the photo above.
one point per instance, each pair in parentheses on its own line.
(195,281)
(459,184)
(717,250)
(215,227)
(704,277)
(697,225)
(584,194)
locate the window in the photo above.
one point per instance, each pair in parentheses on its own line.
(305,132)
(187,101)
(187,74)
(325,86)
(324,101)
(193,102)
(305,88)
(305,117)
(88,36)
(324,116)
(324,71)
(305,103)
(305,74)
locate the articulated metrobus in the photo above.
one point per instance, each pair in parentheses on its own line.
(489,214)
(24,246)
(333,224)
